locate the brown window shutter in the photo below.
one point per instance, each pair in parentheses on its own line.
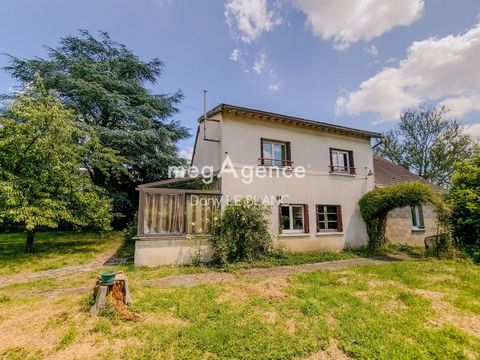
(262,162)
(288,154)
(420,215)
(339,219)
(317,216)
(306,225)
(331,160)
(280,220)
(352,163)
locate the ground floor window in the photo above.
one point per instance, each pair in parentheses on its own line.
(417,217)
(293,218)
(175,214)
(329,218)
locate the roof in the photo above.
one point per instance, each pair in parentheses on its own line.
(388,173)
(290,120)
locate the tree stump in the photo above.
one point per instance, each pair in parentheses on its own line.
(118,291)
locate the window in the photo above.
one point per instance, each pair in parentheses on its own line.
(417,217)
(275,153)
(175,214)
(341,161)
(329,218)
(293,219)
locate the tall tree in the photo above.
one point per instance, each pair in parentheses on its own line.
(426,143)
(41,151)
(105,84)
(464,197)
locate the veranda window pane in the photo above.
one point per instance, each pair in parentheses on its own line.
(200,211)
(164,214)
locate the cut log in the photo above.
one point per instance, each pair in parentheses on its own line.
(101,293)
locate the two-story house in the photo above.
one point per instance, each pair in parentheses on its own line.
(312,209)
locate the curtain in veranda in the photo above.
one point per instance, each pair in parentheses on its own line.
(201,210)
(164,214)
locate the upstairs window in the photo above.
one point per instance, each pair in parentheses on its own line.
(329,218)
(417,217)
(275,153)
(293,219)
(341,161)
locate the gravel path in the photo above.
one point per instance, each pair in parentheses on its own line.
(96,264)
(262,273)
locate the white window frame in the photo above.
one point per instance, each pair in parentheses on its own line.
(272,161)
(335,155)
(291,230)
(415,216)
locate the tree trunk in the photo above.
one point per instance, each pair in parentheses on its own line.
(29,243)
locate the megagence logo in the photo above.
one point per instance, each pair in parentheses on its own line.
(246,173)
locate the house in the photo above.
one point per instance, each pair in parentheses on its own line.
(310,173)
(408,225)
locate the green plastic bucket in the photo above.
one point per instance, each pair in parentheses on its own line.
(108,277)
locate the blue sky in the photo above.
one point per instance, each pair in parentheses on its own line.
(356,63)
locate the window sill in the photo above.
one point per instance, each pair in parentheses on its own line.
(418,230)
(342,174)
(329,233)
(302,234)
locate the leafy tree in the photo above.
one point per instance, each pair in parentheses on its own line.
(464,197)
(426,143)
(105,84)
(41,151)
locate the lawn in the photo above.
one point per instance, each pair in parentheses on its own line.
(403,310)
(53,250)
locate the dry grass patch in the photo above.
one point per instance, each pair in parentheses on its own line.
(332,352)
(241,291)
(449,315)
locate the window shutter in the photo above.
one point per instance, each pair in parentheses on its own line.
(420,217)
(339,219)
(280,222)
(351,161)
(317,216)
(306,225)
(331,160)
(288,153)
(262,162)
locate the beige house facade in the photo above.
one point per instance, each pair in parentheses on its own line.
(310,173)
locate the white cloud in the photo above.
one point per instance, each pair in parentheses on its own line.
(372,50)
(235,55)
(473,130)
(390,60)
(248,19)
(274,87)
(259,63)
(348,21)
(440,70)
(186,153)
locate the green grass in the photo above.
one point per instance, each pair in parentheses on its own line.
(371,311)
(53,250)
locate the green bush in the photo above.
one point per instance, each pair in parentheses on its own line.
(241,233)
(376,204)
(464,198)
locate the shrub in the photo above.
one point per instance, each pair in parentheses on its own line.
(376,204)
(464,198)
(241,233)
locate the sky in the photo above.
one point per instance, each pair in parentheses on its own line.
(357,63)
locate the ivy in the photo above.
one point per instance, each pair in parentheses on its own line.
(376,204)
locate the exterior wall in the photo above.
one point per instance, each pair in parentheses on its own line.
(208,153)
(311,149)
(176,250)
(399,227)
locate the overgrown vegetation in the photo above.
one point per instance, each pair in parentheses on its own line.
(241,233)
(376,204)
(464,197)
